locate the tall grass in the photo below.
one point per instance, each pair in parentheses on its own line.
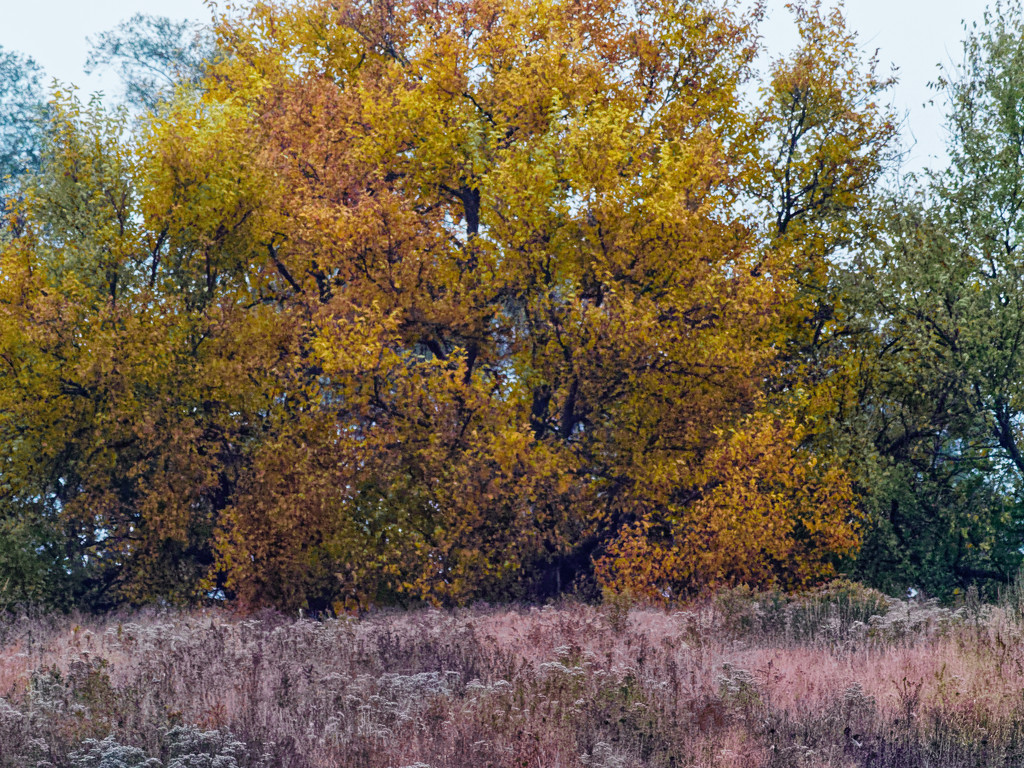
(840,677)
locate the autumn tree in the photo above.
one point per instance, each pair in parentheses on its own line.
(442,301)
(519,233)
(125,391)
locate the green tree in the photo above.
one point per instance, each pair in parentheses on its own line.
(21,117)
(153,55)
(940,404)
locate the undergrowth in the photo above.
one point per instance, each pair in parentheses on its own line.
(840,677)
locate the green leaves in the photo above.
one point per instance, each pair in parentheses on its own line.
(21,115)
(153,55)
(940,396)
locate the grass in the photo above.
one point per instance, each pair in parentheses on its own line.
(842,677)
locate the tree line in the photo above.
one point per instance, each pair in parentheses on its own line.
(379,301)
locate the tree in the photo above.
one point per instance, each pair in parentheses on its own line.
(153,55)
(940,405)
(526,218)
(124,402)
(439,301)
(21,115)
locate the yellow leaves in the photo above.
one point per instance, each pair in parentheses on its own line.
(202,189)
(765,513)
(436,301)
(829,137)
(357,340)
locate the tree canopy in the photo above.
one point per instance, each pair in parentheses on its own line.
(939,414)
(388,300)
(21,116)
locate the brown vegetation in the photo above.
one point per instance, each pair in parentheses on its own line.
(842,677)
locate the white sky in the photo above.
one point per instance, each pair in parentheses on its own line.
(914,35)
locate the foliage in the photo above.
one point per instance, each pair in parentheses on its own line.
(538,314)
(109,405)
(21,112)
(938,407)
(153,55)
(765,517)
(438,302)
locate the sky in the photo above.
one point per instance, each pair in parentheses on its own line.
(915,36)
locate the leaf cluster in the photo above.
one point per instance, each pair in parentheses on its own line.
(446,301)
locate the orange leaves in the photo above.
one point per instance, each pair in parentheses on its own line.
(444,300)
(764,513)
(533,298)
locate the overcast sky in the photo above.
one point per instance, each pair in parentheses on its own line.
(916,36)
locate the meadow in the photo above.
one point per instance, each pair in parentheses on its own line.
(840,677)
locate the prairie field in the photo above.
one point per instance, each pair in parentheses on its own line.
(839,677)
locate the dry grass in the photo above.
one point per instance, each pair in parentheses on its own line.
(842,678)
